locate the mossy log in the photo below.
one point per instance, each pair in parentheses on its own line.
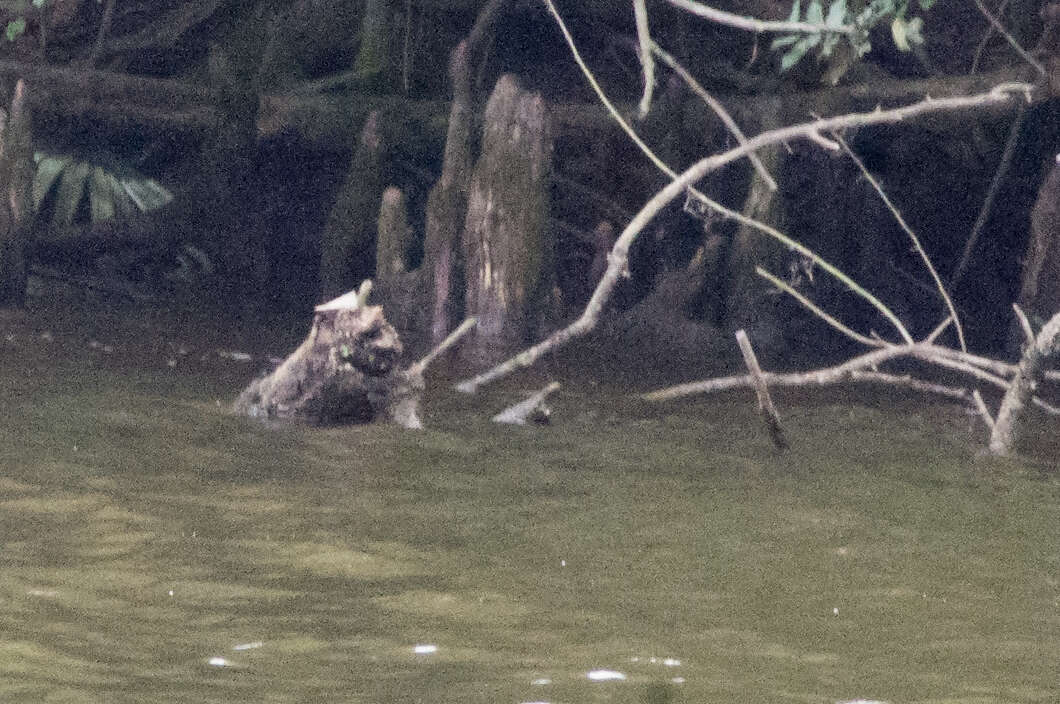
(346,371)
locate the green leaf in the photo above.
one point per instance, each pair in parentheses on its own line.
(795,54)
(786,40)
(147,193)
(815,12)
(100,196)
(15,28)
(912,31)
(124,207)
(48,169)
(39,3)
(898,33)
(837,12)
(795,10)
(68,197)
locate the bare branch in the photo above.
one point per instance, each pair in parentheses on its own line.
(1025,325)
(647,61)
(749,23)
(817,310)
(445,344)
(620,253)
(984,412)
(718,109)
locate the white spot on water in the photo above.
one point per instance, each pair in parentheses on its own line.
(835,610)
(425,649)
(248,646)
(677,680)
(45,593)
(218,662)
(671,662)
(541,681)
(604,675)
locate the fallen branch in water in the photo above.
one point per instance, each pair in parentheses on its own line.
(1019,381)
(619,257)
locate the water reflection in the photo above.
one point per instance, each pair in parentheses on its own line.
(156,549)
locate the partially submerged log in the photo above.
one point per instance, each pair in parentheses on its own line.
(346,371)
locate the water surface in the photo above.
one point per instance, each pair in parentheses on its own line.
(156,549)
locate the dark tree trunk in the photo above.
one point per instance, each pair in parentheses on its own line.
(1040,286)
(505,241)
(16,180)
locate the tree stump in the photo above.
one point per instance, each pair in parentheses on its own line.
(346,371)
(505,233)
(402,291)
(447,206)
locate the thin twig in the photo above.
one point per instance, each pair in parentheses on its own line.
(718,109)
(765,401)
(938,330)
(986,38)
(991,195)
(817,310)
(1010,39)
(461,330)
(101,35)
(1025,325)
(984,412)
(912,237)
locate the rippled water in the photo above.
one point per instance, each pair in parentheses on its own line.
(155,549)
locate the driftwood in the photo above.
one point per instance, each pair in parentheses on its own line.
(346,371)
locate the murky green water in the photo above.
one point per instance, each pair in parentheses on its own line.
(155,549)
